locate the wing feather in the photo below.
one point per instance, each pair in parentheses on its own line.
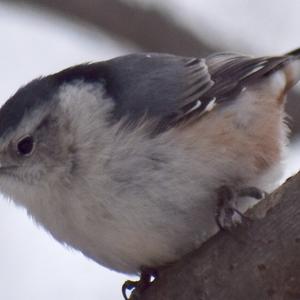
(230,73)
(170,89)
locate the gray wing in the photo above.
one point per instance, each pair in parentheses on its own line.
(154,85)
(230,73)
(144,85)
(173,89)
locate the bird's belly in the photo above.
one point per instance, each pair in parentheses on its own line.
(142,229)
(150,239)
(158,200)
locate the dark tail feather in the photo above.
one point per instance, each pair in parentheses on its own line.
(295,52)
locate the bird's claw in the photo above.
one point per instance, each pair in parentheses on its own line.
(128,285)
(228,215)
(137,287)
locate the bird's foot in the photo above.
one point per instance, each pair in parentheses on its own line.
(228,216)
(137,287)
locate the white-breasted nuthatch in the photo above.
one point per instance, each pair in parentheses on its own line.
(121,159)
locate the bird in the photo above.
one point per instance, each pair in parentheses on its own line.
(128,159)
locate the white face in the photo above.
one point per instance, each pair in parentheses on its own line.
(32,157)
(54,143)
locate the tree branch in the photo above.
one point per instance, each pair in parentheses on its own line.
(258,260)
(149,29)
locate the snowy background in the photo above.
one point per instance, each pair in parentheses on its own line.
(32,265)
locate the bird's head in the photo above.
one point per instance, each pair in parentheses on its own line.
(47,135)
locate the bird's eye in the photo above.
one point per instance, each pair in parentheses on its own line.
(25,146)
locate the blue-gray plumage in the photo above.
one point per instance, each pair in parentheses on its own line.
(163,87)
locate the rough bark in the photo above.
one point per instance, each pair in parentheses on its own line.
(259,260)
